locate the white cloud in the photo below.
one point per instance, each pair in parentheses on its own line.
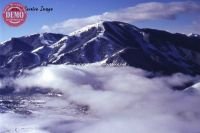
(119,99)
(71,25)
(140,12)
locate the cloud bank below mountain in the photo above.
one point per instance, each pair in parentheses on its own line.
(113,99)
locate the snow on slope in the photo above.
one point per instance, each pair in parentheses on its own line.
(105,40)
(194,35)
(26,52)
(111,43)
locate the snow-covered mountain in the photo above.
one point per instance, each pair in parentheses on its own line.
(95,97)
(105,42)
(16,53)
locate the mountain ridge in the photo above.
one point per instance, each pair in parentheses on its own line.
(110,42)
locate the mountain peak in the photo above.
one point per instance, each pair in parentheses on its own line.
(96,26)
(100,27)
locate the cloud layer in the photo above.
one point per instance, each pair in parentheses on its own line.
(140,12)
(104,99)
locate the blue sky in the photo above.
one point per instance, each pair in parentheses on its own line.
(61,19)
